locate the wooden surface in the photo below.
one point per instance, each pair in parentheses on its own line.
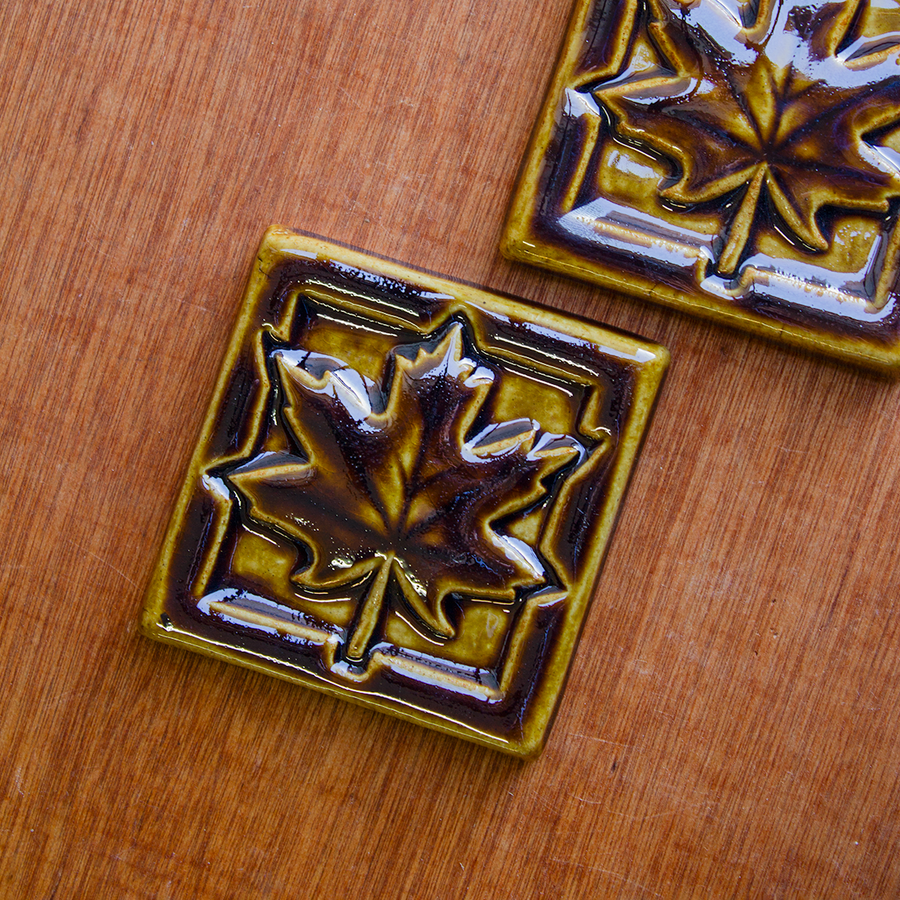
(730,725)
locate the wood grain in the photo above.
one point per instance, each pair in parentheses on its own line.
(730,725)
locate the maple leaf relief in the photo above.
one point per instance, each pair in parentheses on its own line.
(399,485)
(770,105)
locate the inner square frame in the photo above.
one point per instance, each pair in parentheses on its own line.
(554,223)
(200,597)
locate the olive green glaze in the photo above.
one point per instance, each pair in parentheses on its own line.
(739,160)
(403,491)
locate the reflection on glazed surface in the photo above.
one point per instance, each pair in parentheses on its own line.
(745,155)
(402,495)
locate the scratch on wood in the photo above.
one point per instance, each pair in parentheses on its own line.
(590,737)
(103,561)
(624,879)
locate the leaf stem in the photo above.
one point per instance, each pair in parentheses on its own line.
(741,224)
(362,631)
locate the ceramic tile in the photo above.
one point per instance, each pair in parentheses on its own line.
(403,491)
(738,160)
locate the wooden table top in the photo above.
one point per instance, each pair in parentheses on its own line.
(730,725)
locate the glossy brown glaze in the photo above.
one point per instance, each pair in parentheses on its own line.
(403,491)
(740,159)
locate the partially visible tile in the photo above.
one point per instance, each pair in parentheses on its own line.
(403,491)
(733,159)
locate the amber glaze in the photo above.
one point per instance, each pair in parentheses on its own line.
(403,491)
(739,160)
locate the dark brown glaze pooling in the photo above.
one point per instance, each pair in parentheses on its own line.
(401,494)
(742,160)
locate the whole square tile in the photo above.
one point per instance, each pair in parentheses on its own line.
(403,491)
